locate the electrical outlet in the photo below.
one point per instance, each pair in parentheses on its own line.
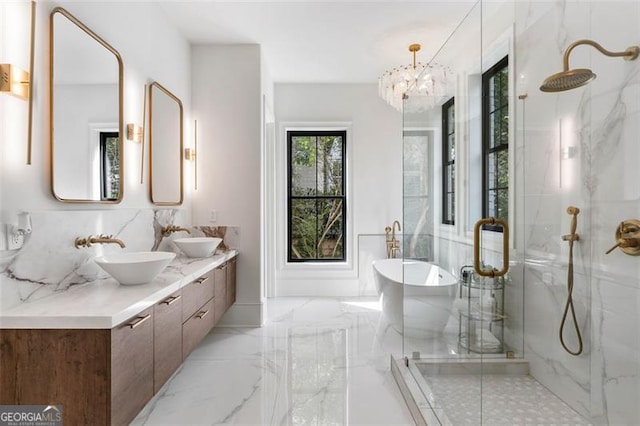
(213,216)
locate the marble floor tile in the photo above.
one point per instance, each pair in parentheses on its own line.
(317,361)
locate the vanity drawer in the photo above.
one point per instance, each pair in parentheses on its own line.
(131,367)
(167,338)
(196,327)
(196,294)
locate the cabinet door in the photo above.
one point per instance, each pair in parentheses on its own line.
(196,294)
(196,327)
(220,283)
(231,282)
(131,367)
(167,339)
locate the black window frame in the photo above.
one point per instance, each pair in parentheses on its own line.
(447,163)
(487,150)
(104,178)
(290,135)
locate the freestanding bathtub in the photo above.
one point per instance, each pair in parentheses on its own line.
(417,297)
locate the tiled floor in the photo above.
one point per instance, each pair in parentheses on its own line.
(317,361)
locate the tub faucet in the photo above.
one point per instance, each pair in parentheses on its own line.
(392,243)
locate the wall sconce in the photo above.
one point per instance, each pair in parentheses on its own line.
(191,154)
(14,81)
(134,133)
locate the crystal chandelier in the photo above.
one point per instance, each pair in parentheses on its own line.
(418,86)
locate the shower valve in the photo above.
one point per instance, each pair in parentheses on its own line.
(628,237)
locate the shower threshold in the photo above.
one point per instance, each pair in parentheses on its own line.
(495,392)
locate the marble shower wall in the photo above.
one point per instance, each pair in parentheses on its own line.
(581,148)
(49,263)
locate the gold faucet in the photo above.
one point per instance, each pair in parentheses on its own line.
(392,243)
(168,230)
(99,239)
(628,237)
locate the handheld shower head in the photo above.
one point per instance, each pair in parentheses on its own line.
(573,210)
(569,79)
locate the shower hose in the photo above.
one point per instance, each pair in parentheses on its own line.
(571,238)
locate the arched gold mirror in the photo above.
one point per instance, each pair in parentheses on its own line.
(86,84)
(165,146)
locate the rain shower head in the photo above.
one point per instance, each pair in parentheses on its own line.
(572,78)
(567,80)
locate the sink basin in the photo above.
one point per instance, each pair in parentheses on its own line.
(198,246)
(135,267)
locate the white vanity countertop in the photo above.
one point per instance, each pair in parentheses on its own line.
(105,303)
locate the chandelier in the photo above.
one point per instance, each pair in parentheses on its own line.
(415,87)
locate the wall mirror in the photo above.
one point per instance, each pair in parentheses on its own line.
(165,146)
(86,84)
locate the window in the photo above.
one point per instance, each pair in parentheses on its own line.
(109,166)
(495,142)
(448,162)
(316,195)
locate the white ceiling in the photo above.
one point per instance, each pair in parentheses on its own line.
(324,41)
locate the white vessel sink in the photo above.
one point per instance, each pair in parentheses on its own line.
(135,267)
(198,246)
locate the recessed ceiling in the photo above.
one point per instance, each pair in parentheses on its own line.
(323,41)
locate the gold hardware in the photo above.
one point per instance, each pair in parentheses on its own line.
(138,321)
(202,314)
(569,79)
(168,230)
(189,154)
(172,300)
(135,133)
(100,239)
(571,238)
(14,81)
(511,354)
(156,87)
(505,247)
(108,47)
(202,280)
(414,48)
(627,237)
(523,96)
(390,239)
(144,123)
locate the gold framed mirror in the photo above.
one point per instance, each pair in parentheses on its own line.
(166,164)
(86,113)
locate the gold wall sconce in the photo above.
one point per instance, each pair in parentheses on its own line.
(14,81)
(135,133)
(191,154)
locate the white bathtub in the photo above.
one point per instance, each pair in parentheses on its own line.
(417,297)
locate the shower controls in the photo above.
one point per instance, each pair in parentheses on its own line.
(628,237)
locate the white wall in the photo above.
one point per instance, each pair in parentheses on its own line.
(151,50)
(227,98)
(374,163)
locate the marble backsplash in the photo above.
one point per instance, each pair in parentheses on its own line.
(49,262)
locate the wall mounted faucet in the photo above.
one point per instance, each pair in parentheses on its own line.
(99,239)
(168,230)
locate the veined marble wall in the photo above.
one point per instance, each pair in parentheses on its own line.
(49,263)
(581,148)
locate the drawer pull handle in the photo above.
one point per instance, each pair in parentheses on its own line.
(139,321)
(201,280)
(202,314)
(172,300)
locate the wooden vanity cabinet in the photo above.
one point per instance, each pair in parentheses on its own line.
(167,339)
(231,282)
(131,367)
(220,283)
(106,376)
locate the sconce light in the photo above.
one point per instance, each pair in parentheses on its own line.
(134,133)
(189,154)
(14,81)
